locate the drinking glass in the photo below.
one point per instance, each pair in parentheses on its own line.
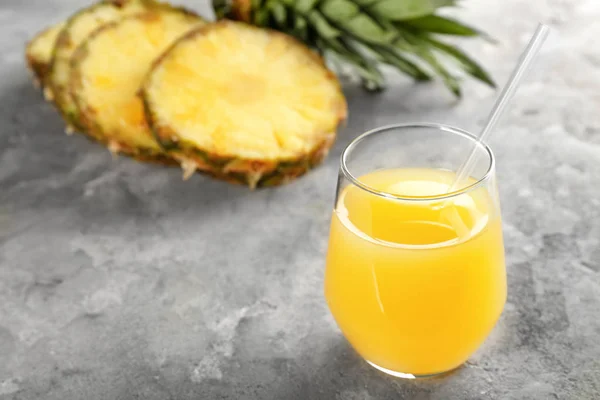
(415,276)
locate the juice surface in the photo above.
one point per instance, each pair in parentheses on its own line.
(415,286)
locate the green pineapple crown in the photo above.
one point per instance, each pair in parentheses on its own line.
(366,33)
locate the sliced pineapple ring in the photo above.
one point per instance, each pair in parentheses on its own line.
(77,29)
(39,52)
(244,104)
(107,72)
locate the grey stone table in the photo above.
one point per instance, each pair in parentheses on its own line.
(120,281)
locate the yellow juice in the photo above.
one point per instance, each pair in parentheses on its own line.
(415,286)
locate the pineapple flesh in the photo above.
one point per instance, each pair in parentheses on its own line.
(108,70)
(77,30)
(244,104)
(39,52)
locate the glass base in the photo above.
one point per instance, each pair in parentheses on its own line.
(405,375)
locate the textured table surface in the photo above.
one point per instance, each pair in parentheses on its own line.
(120,281)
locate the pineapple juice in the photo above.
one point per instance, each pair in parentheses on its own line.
(415,286)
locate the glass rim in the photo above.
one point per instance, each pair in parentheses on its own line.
(441,127)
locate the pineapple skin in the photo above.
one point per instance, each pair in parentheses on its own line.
(86,115)
(66,44)
(254,173)
(38,53)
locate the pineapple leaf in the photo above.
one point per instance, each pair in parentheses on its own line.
(372,78)
(346,15)
(365,28)
(467,63)
(397,10)
(365,3)
(279,13)
(421,48)
(443,3)
(300,27)
(340,10)
(322,25)
(261,16)
(449,80)
(304,6)
(403,64)
(443,25)
(375,80)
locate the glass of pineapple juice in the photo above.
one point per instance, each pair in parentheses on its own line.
(415,276)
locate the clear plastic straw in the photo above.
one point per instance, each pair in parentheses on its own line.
(527,57)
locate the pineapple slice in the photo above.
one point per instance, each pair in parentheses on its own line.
(39,52)
(77,29)
(244,104)
(108,70)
